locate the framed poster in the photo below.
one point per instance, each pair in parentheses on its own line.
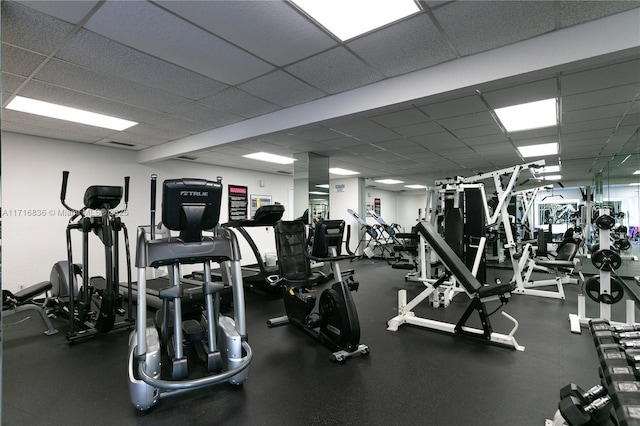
(237,202)
(258,201)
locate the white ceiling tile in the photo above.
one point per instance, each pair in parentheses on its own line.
(10,83)
(454,107)
(106,86)
(604,123)
(489,129)
(438,139)
(522,93)
(577,116)
(365,130)
(470,120)
(296,38)
(576,12)
(334,71)
(240,103)
(19,61)
(601,78)
(419,129)
(589,99)
(281,89)
(36,32)
(19,122)
(195,111)
(96,52)
(412,44)
(476,26)
(315,133)
(70,11)
(404,117)
(146,27)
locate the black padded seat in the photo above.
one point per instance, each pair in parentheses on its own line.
(28,293)
(496,290)
(564,259)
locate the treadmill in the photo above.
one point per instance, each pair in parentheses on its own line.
(254,277)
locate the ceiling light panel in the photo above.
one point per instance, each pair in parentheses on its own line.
(532,115)
(270,158)
(47,109)
(347,19)
(539,150)
(389,181)
(342,172)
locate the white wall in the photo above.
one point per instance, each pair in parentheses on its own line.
(409,204)
(33,220)
(348,198)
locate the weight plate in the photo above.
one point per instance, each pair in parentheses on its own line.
(606,260)
(605,222)
(616,293)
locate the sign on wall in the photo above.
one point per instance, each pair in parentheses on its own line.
(258,201)
(237,202)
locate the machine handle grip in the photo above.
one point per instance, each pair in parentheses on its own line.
(154,178)
(63,191)
(126,190)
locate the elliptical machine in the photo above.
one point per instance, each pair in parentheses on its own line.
(92,308)
(189,206)
(335,324)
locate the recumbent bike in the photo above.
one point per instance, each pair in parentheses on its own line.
(335,324)
(189,206)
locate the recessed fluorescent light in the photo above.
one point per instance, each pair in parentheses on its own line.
(271,158)
(539,150)
(47,109)
(547,169)
(415,186)
(342,172)
(389,181)
(318,193)
(635,184)
(323,185)
(552,177)
(349,18)
(637,172)
(532,115)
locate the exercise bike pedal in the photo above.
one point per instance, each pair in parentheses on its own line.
(352,284)
(313,320)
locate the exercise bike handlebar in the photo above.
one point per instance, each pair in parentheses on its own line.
(126,191)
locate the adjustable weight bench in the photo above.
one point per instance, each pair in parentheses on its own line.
(478,293)
(22,300)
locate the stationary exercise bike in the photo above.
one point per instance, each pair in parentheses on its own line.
(335,324)
(189,206)
(93,307)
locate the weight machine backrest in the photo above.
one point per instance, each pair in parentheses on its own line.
(191,206)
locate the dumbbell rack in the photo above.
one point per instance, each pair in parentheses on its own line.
(616,399)
(579,320)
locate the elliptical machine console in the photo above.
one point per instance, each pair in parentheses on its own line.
(189,206)
(336,323)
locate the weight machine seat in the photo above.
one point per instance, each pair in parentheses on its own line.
(564,259)
(25,295)
(458,268)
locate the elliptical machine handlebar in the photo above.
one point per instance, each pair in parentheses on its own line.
(154,179)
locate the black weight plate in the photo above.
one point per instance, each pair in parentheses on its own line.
(606,260)
(616,293)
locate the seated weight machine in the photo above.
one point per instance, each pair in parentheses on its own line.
(24,300)
(479,295)
(189,206)
(335,324)
(92,308)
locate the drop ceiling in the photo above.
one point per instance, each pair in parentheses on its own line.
(210,81)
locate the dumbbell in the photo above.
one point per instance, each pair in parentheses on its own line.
(585,396)
(576,414)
